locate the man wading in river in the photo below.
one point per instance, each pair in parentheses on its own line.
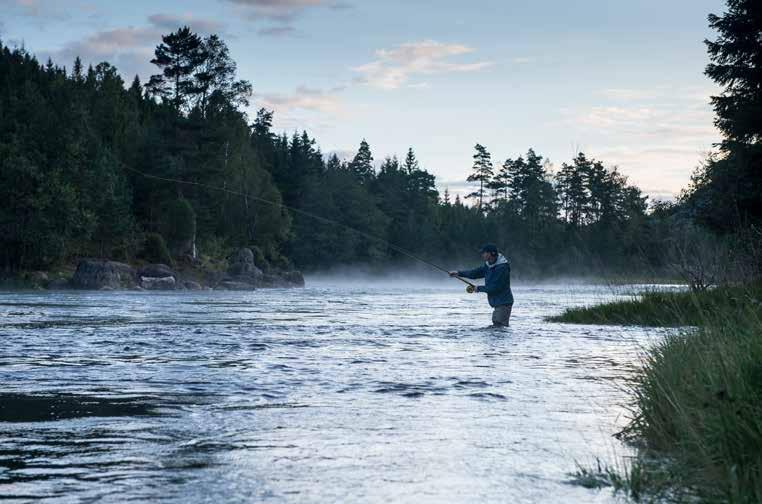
(496,272)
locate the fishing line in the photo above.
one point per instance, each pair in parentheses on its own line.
(320,218)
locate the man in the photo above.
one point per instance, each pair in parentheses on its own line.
(496,272)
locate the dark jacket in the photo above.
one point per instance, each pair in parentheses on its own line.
(497,281)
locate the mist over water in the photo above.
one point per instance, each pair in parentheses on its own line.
(352,389)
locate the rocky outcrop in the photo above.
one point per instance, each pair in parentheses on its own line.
(158,277)
(98,274)
(158,283)
(191,285)
(235,285)
(243,274)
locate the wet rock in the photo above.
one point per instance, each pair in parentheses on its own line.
(59,284)
(98,274)
(244,255)
(158,283)
(191,285)
(38,277)
(243,264)
(156,271)
(295,278)
(234,285)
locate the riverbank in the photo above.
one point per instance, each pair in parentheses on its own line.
(240,272)
(697,401)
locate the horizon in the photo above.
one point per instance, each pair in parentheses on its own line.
(641,103)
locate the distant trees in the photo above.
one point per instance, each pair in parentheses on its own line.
(73,147)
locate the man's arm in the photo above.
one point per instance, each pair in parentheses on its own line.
(497,283)
(472,274)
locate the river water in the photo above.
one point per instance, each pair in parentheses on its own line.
(334,393)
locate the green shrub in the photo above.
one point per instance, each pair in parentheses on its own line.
(179,221)
(697,406)
(155,249)
(259,258)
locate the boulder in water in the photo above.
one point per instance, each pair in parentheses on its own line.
(234,285)
(98,274)
(156,271)
(191,285)
(158,283)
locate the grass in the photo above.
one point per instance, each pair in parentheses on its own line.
(665,308)
(697,402)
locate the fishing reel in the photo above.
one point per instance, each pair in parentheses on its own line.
(470,289)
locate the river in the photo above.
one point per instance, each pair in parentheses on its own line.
(351,392)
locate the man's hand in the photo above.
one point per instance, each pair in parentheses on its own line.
(470,289)
(453,273)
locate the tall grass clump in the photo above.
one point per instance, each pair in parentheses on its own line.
(697,401)
(657,308)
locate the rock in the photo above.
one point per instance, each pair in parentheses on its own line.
(243,268)
(236,286)
(158,283)
(244,255)
(156,271)
(59,284)
(97,273)
(191,285)
(295,278)
(38,277)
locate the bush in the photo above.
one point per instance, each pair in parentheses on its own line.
(259,258)
(179,222)
(155,250)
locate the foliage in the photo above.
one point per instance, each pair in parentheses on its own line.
(726,192)
(155,249)
(698,396)
(179,221)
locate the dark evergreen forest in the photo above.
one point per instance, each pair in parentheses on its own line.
(76,142)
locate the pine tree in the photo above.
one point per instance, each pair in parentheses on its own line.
(362,164)
(737,66)
(179,56)
(481,173)
(411,163)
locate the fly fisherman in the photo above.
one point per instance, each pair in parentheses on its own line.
(496,272)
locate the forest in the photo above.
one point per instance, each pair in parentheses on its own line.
(89,168)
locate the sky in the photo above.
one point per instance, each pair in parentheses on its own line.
(621,81)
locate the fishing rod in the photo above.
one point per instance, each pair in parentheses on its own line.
(325,220)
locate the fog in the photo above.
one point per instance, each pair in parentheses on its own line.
(425,277)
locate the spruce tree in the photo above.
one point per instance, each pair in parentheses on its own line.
(481,173)
(362,164)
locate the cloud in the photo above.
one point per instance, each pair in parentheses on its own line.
(305,99)
(129,49)
(171,22)
(280,10)
(658,135)
(39,9)
(278,31)
(393,68)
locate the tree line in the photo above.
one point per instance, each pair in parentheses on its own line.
(76,146)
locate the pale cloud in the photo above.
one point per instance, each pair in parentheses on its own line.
(656,136)
(171,22)
(278,31)
(393,68)
(279,10)
(305,99)
(129,49)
